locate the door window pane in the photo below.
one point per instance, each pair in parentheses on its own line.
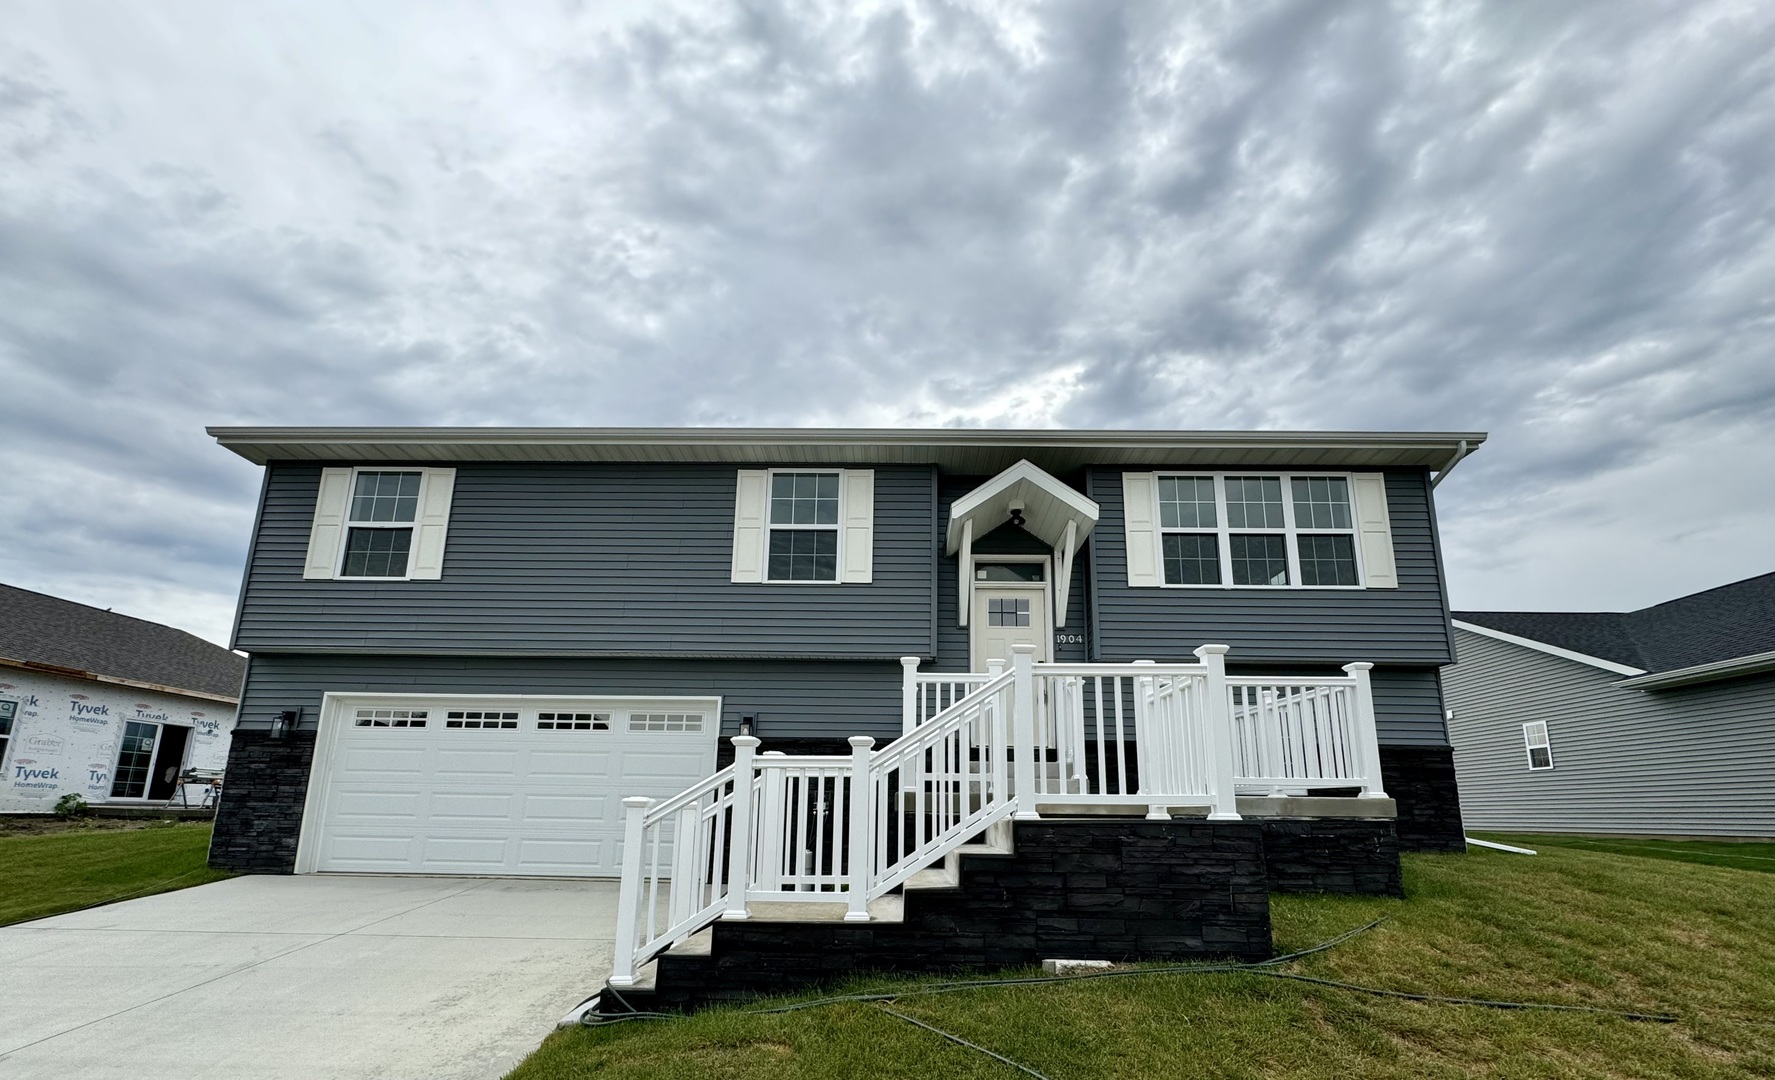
(1254,502)
(1007,612)
(1192,559)
(804,555)
(1186,502)
(385,496)
(377,552)
(1327,560)
(1260,560)
(134,757)
(1321,502)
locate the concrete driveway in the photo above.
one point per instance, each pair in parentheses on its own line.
(312,977)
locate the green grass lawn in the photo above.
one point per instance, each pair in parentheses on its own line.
(1571,926)
(43,874)
(1739,855)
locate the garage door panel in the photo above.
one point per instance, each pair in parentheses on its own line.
(522,800)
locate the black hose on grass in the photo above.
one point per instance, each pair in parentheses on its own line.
(954,1038)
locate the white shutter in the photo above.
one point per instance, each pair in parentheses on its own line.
(328,530)
(749,505)
(857,509)
(1375,530)
(1140,502)
(434,521)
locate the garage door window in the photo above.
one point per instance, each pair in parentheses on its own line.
(408,718)
(481,720)
(665,722)
(565,721)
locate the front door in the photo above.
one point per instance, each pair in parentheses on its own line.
(1008,613)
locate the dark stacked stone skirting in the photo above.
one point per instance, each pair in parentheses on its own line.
(1421,780)
(260,818)
(1332,855)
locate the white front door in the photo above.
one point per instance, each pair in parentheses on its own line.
(1007,615)
(522,786)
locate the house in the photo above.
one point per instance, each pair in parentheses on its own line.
(469,646)
(1656,721)
(107,707)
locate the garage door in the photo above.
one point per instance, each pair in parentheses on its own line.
(530,786)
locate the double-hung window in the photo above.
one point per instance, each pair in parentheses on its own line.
(1538,745)
(1257,531)
(803,526)
(380,524)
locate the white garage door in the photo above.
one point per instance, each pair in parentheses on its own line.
(531,786)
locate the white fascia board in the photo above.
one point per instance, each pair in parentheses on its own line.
(1700,673)
(93,676)
(1551,650)
(1026,477)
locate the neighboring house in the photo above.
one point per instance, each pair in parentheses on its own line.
(104,706)
(1656,721)
(469,645)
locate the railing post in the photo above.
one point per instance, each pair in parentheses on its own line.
(1220,735)
(862,829)
(1023,726)
(995,668)
(1156,764)
(908,694)
(1367,736)
(629,909)
(739,837)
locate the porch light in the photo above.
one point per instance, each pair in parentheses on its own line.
(285,722)
(748,725)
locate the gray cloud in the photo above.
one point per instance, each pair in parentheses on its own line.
(1549,221)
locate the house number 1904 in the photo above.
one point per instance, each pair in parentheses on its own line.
(1069,639)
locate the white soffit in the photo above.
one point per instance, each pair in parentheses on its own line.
(1551,650)
(954,450)
(1048,505)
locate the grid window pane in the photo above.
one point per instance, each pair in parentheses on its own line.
(1539,758)
(804,555)
(1186,502)
(377,552)
(134,757)
(1007,612)
(1192,559)
(1327,560)
(1259,560)
(1254,502)
(385,496)
(804,499)
(1321,502)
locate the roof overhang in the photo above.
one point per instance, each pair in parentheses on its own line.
(93,676)
(1550,650)
(955,450)
(1755,664)
(1048,507)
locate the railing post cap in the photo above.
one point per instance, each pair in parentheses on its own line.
(911,661)
(1360,665)
(1023,649)
(773,753)
(1146,661)
(637,801)
(862,740)
(744,740)
(1214,650)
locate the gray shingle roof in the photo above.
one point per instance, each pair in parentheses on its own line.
(1703,628)
(48,630)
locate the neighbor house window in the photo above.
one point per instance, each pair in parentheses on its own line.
(803,527)
(134,758)
(8,713)
(379,524)
(1540,749)
(1273,531)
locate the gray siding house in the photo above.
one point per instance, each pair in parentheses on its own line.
(1657,721)
(817,667)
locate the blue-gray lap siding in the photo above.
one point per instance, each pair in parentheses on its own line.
(792,699)
(1695,760)
(612,560)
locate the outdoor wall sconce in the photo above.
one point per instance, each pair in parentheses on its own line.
(285,722)
(748,725)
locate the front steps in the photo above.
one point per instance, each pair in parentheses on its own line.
(1090,888)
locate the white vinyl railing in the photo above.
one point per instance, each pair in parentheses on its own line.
(978,748)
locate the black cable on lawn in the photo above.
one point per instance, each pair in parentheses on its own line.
(954,1038)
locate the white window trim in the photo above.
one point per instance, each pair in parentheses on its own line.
(1224,531)
(770,479)
(426,481)
(1529,745)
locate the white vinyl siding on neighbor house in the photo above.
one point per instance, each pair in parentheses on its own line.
(804,526)
(381,524)
(1250,530)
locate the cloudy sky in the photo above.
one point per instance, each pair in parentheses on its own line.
(1554,221)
